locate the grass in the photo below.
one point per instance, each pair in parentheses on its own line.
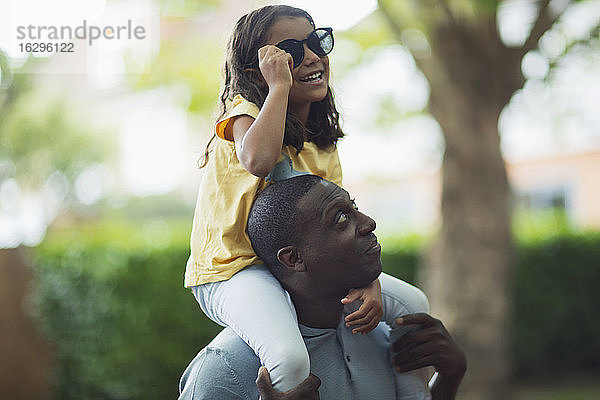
(581,388)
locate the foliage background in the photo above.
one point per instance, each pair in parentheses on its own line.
(123,327)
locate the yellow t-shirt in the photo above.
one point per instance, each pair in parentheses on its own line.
(220,246)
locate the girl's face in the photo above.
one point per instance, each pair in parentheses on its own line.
(311,77)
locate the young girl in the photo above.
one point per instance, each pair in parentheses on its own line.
(278,119)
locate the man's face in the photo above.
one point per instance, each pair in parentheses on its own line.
(337,243)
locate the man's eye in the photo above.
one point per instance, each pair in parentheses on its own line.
(342,217)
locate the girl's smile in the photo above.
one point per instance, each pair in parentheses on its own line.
(314,78)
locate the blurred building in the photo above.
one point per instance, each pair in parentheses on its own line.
(564,181)
(569,182)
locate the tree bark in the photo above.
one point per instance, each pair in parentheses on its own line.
(26,357)
(466,271)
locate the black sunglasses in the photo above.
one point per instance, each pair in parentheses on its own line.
(320,41)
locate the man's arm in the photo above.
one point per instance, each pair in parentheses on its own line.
(209,377)
(401,298)
(225,370)
(430,345)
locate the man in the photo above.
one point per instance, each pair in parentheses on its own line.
(319,246)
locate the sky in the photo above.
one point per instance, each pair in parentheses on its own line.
(339,14)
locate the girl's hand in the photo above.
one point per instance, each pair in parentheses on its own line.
(276,66)
(370,312)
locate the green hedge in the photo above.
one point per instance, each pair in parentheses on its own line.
(122,325)
(556,328)
(124,328)
(556,300)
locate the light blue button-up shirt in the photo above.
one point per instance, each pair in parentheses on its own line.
(350,366)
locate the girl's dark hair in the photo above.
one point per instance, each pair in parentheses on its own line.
(249,35)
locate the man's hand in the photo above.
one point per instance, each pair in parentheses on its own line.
(429,345)
(307,390)
(371,310)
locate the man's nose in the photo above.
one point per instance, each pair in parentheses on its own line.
(367,224)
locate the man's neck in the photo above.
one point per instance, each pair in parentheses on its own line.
(318,313)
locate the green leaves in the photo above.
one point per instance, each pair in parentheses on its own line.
(40,134)
(121,323)
(123,326)
(195,63)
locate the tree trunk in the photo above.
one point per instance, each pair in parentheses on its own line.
(466,271)
(25,355)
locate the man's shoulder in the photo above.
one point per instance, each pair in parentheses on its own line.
(225,369)
(232,348)
(400,297)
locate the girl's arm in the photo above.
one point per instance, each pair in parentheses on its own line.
(258,141)
(399,298)
(369,314)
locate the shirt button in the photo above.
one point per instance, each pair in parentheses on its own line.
(348,358)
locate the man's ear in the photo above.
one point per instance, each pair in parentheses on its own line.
(256,76)
(290,258)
